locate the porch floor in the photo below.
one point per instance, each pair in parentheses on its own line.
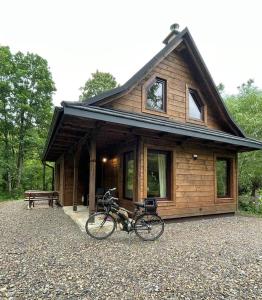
(79,217)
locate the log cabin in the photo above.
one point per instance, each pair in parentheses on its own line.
(165,133)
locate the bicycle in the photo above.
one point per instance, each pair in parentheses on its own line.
(146,223)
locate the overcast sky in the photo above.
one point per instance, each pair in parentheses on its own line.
(120,36)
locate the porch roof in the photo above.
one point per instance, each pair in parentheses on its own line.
(156,124)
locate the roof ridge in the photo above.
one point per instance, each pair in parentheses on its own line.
(138,76)
(169,47)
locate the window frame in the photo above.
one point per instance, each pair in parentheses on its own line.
(124,175)
(199,102)
(231,180)
(169,173)
(145,87)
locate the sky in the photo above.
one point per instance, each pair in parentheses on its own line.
(119,36)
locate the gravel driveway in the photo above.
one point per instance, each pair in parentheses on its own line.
(43,255)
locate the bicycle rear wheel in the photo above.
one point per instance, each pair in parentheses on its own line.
(149,227)
(100,225)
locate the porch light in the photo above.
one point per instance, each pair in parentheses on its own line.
(104,159)
(194,156)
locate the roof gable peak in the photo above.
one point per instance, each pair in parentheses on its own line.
(172,41)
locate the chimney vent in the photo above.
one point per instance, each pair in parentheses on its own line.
(174,31)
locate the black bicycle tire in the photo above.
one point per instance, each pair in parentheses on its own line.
(95,237)
(149,239)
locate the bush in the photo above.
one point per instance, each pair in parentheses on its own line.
(250,204)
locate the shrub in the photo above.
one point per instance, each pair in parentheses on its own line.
(250,204)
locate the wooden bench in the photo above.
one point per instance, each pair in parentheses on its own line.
(33,195)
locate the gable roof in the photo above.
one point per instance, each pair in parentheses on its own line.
(160,124)
(183,36)
(156,124)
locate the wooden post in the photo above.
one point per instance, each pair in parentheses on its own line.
(53,179)
(92,176)
(43,175)
(138,168)
(237,179)
(75,182)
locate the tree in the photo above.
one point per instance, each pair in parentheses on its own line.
(246,108)
(33,89)
(98,83)
(26,89)
(6,124)
(221,89)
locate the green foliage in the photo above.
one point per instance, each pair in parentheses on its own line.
(26,89)
(222,178)
(250,204)
(221,89)
(246,109)
(155,96)
(98,83)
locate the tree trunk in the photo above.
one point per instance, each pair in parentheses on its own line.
(253,191)
(7,150)
(9,180)
(20,154)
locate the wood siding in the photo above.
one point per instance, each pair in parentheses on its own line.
(178,73)
(193,182)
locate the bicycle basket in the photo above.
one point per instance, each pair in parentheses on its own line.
(150,205)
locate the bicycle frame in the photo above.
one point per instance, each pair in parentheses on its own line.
(126,222)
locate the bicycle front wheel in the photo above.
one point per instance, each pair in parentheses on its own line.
(100,225)
(149,227)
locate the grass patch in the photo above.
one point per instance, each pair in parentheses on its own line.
(9,197)
(249,204)
(245,213)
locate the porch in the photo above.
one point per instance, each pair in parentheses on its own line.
(96,149)
(80,217)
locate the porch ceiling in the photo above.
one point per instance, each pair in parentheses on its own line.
(72,123)
(72,129)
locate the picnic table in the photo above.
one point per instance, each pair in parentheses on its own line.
(34,195)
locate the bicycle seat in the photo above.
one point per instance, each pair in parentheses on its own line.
(139,204)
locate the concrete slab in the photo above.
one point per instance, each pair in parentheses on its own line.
(79,217)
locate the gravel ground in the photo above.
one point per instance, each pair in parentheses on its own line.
(43,255)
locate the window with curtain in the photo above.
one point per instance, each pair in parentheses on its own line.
(156,95)
(194,104)
(223,173)
(158,174)
(129,167)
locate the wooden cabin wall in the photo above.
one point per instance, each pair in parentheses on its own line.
(59,178)
(193,181)
(66,181)
(193,184)
(178,73)
(111,169)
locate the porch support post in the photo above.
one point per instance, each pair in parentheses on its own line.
(139,172)
(75,184)
(92,175)
(53,179)
(44,175)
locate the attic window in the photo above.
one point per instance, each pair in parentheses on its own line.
(195,110)
(156,95)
